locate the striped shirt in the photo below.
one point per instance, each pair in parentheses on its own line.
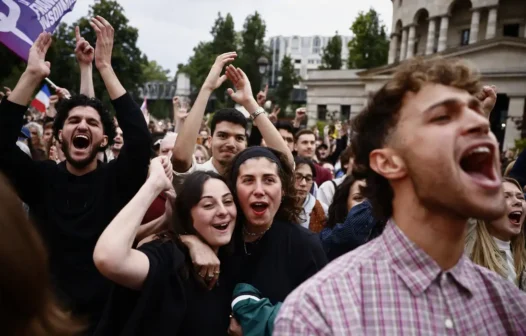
(392,287)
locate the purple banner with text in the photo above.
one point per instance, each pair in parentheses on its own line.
(21,21)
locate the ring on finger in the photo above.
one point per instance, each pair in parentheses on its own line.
(217,272)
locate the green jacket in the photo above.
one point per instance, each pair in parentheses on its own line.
(256,315)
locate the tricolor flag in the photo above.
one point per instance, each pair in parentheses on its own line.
(41,101)
(144,106)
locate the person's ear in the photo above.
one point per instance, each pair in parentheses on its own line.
(387,163)
(104,142)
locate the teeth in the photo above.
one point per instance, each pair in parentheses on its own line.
(480,149)
(82,136)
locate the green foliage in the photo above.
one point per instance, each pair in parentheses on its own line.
(152,71)
(286,85)
(331,58)
(128,61)
(252,48)
(369,46)
(520,145)
(320,125)
(224,40)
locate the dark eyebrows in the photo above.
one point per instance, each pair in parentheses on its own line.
(472,103)
(227,194)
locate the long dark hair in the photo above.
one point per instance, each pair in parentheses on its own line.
(28,305)
(338,208)
(188,196)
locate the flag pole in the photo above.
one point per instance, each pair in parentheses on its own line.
(54,86)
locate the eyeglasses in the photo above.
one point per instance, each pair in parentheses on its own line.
(300,178)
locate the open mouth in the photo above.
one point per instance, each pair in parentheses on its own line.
(515,217)
(478,163)
(81,141)
(221,227)
(259,208)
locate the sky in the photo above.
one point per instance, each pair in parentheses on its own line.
(170,29)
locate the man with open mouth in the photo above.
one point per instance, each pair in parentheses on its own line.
(72,202)
(425,148)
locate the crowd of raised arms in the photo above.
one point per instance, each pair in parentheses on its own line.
(398,222)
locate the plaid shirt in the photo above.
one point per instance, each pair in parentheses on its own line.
(392,287)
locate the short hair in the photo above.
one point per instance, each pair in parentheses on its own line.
(66,105)
(285,125)
(373,126)
(48,125)
(322,145)
(298,160)
(345,156)
(303,132)
(230,115)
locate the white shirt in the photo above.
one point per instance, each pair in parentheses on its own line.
(207,166)
(308,205)
(327,189)
(505,247)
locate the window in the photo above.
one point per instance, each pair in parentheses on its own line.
(345,112)
(295,44)
(511,30)
(400,3)
(305,43)
(316,44)
(276,44)
(464,39)
(311,61)
(322,112)
(297,71)
(297,61)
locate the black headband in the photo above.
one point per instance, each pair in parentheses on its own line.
(250,153)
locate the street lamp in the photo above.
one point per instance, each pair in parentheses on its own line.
(263,64)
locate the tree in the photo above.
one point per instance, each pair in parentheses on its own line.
(289,78)
(224,40)
(331,58)
(152,71)
(369,46)
(127,59)
(252,48)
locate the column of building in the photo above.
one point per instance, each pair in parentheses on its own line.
(515,112)
(411,41)
(442,39)
(491,29)
(431,32)
(475,22)
(393,48)
(403,47)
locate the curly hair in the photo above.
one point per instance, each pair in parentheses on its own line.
(66,105)
(289,210)
(373,126)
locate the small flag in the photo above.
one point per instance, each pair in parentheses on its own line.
(41,101)
(144,106)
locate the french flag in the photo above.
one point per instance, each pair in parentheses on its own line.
(41,101)
(144,106)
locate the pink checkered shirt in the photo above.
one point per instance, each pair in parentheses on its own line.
(392,287)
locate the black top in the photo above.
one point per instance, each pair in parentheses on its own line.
(73,211)
(286,256)
(169,302)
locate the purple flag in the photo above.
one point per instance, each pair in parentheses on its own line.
(21,21)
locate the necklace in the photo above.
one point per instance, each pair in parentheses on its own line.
(255,242)
(245,231)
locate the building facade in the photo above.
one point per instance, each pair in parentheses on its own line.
(305,52)
(489,33)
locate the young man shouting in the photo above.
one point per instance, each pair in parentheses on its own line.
(425,148)
(74,201)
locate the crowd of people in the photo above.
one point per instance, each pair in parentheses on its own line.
(398,222)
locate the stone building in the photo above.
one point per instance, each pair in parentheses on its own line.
(489,33)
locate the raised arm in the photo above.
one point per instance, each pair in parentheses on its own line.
(243,96)
(104,47)
(186,139)
(113,254)
(22,171)
(85,55)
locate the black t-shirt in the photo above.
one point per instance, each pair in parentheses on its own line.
(286,256)
(169,303)
(73,211)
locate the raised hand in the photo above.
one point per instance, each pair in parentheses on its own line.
(243,93)
(214,79)
(62,93)
(261,97)
(104,45)
(161,173)
(7,91)
(488,97)
(274,115)
(180,113)
(83,50)
(36,61)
